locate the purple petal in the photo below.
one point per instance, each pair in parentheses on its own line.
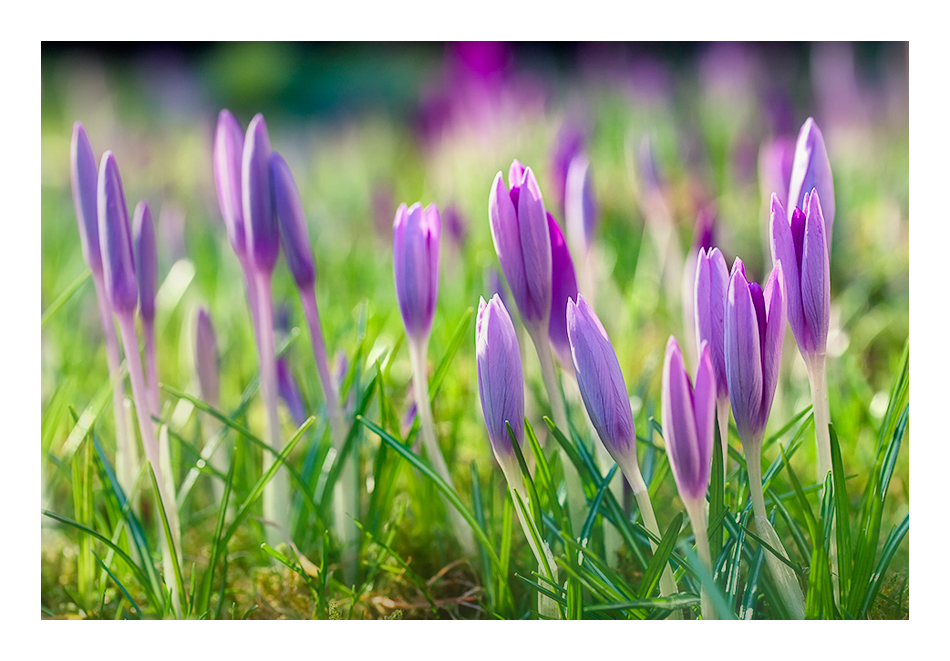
(82,171)
(228,151)
(289,392)
(679,424)
(812,169)
(580,208)
(784,249)
(503,220)
(600,381)
(260,220)
(206,358)
(536,249)
(118,264)
(775,168)
(816,277)
(564,288)
(712,285)
(416,235)
(293,224)
(774,333)
(704,409)
(146,259)
(743,354)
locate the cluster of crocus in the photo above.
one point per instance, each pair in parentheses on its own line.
(501,391)
(417,233)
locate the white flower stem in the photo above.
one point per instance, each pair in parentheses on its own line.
(152,453)
(631,471)
(782,574)
(420,388)
(151,369)
(277,492)
(576,500)
(697,517)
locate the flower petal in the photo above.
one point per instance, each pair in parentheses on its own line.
(816,277)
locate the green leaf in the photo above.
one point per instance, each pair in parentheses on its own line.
(717,489)
(204,596)
(842,517)
(169,539)
(894,540)
(66,294)
(651,577)
(533,500)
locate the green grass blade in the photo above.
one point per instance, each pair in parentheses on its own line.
(719,602)
(717,489)
(534,501)
(169,539)
(204,596)
(458,338)
(544,475)
(651,577)
(894,540)
(595,506)
(842,517)
(66,294)
(118,583)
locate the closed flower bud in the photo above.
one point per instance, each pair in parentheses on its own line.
(688,419)
(146,259)
(261,232)
(580,208)
(228,151)
(206,358)
(563,290)
(118,264)
(500,379)
(601,382)
(417,234)
(522,241)
(775,167)
(712,284)
(802,250)
(754,328)
(812,170)
(293,225)
(82,171)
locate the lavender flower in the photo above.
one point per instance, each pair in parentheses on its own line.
(289,392)
(564,288)
(261,231)
(567,146)
(580,207)
(206,358)
(83,174)
(711,286)
(775,167)
(500,379)
(523,243)
(228,151)
(293,225)
(812,170)
(754,327)
(146,260)
(802,250)
(118,265)
(416,247)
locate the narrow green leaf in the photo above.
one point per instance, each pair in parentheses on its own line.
(651,577)
(66,294)
(458,338)
(533,501)
(894,540)
(204,595)
(119,585)
(169,540)
(717,489)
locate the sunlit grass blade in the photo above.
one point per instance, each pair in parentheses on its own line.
(81,466)
(751,593)
(544,475)
(842,518)
(170,541)
(459,336)
(717,489)
(719,602)
(651,577)
(533,500)
(204,596)
(66,294)
(595,506)
(118,583)
(894,540)
(671,603)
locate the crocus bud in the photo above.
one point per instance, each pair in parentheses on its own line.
(289,392)
(563,289)
(118,265)
(812,170)
(293,225)
(146,259)
(580,208)
(754,328)
(601,382)
(416,246)
(567,146)
(802,249)
(228,151)
(688,418)
(522,241)
(206,358)
(457,226)
(775,167)
(82,171)
(500,379)
(260,220)
(712,284)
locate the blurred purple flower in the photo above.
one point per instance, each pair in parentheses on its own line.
(146,260)
(500,378)
(289,392)
(688,420)
(580,207)
(416,249)
(522,241)
(563,290)
(118,263)
(801,248)
(228,152)
(83,174)
(812,170)
(457,226)
(261,231)
(754,328)
(568,144)
(293,224)
(775,167)
(206,358)
(711,287)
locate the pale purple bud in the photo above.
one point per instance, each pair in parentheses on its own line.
(688,420)
(115,236)
(754,328)
(82,171)
(802,249)
(260,219)
(601,382)
(580,208)
(567,146)
(293,225)
(146,259)
(563,290)
(417,234)
(522,241)
(289,392)
(228,152)
(500,379)
(457,226)
(712,284)
(812,170)
(775,167)
(206,358)
(704,232)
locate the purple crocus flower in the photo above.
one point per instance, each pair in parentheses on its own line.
(146,260)
(711,287)
(775,167)
(563,290)
(206,358)
(802,249)
(500,379)
(83,173)
(416,248)
(228,152)
(580,207)
(812,170)
(568,145)
(293,224)
(754,328)
(287,387)
(688,420)
(118,264)
(261,232)
(522,241)
(601,382)
(457,226)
